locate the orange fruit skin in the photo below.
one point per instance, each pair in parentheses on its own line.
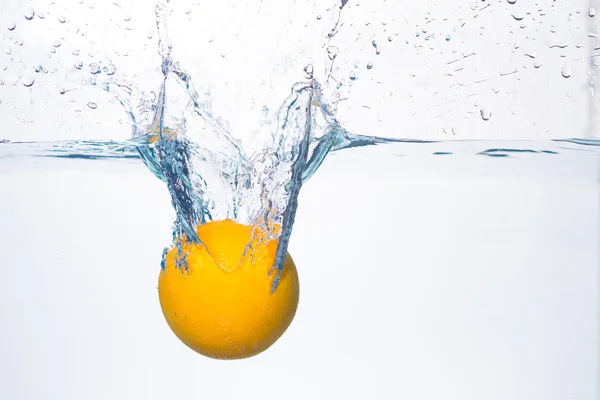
(227,309)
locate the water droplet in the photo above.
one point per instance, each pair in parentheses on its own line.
(592,12)
(29,14)
(374,43)
(110,69)
(518,15)
(353,76)
(485,114)
(62,19)
(565,71)
(78,65)
(92,105)
(28,81)
(38,68)
(94,68)
(75,52)
(369,65)
(62,90)
(318,17)
(150,34)
(11,26)
(41,15)
(127,18)
(512,1)
(448,38)
(537,64)
(390,38)
(332,52)
(309,71)
(57,43)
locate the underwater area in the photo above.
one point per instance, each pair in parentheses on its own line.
(433,169)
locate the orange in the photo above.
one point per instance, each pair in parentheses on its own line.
(227,309)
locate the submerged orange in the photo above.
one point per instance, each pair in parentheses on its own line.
(227,309)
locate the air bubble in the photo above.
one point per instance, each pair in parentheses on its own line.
(92,105)
(565,71)
(29,14)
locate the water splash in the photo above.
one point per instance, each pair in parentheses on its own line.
(210,174)
(211,177)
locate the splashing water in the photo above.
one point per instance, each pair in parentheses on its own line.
(210,175)
(214,172)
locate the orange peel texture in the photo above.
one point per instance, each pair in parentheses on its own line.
(226,309)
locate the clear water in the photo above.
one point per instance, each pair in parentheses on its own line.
(429,267)
(423,276)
